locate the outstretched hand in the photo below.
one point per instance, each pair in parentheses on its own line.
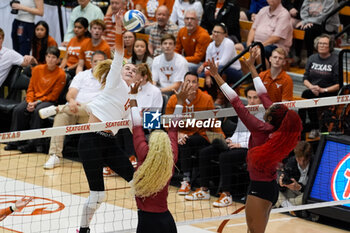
(253,54)
(212,68)
(20,204)
(134,89)
(119,17)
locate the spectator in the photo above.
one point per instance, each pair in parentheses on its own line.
(9,57)
(149,7)
(190,139)
(23,25)
(129,40)
(162,26)
(149,97)
(169,68)
(84,87)
(192,41)
(140,53)
(272,28)
(312,14)
(109,33)
(71,58)
(278,83)
(294,176)
(230,156)
(222,11)
(320,78)
(179,8)
(18,206)
(255,6)
(93,44)
(85,9)
(45,86)
(222,50)
(41,41)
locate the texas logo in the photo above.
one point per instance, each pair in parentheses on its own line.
(340,184)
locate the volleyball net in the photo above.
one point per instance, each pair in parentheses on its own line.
(60,193)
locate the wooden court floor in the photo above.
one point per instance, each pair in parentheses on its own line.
(70,178)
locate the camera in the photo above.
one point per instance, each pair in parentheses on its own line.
(287,175)
(14,11)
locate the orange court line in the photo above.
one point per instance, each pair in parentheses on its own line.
(11,230)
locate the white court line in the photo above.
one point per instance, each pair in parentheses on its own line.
(108,218)
(244,224)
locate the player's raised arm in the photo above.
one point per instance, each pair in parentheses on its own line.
(119,44)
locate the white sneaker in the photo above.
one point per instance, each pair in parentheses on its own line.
(107,171)
(315,133)
(47,112)
(223,201)
(52,162)
(185,188)
(199,194)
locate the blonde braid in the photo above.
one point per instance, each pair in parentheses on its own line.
(101,70)
(157,169)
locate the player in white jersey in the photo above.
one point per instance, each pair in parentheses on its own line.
(100,148)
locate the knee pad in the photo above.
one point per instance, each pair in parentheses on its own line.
(95,199)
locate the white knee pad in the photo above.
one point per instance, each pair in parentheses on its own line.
(95,199)
(91,205)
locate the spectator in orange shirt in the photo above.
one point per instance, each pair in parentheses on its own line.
(44,88)
(192,41)
(278,83)
(71,58)
(149,7)
(41,41)
(191,139)
(93,44)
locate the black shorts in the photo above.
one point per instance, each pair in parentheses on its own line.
(267,190)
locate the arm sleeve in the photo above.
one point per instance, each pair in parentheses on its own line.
(140,144)
(114,75)
(307,69)
(262,92)
(173,133)
(135,116)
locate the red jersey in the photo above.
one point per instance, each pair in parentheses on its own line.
(155,203)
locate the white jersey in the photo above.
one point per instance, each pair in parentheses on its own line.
(223,54)
(165,73)
(87,85)
(179,8)
(149,97)
(8,58)
(113,101)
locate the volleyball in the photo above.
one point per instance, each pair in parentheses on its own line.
(134,20)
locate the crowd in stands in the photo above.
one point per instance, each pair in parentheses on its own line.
(179,37)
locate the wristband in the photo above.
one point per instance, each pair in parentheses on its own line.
(13,207)
(133,96)
(325,90)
